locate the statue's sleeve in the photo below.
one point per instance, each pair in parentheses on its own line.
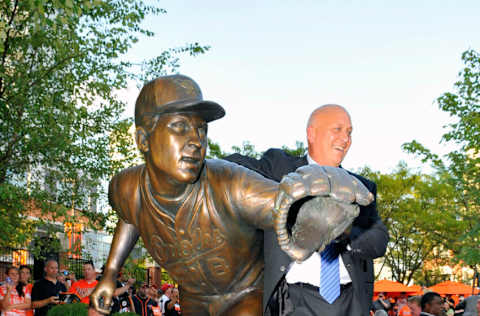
(252,195)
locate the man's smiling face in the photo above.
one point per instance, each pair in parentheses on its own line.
(329,136)
(177,147)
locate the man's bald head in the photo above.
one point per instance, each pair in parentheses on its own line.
(329,131)
(324,109)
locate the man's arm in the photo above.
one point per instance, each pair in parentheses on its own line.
(74,288)
(274,163)
(386,304)
(124,289)
(4,297)
(369,236)
(26,305)
(372,243)
(124,239)
(37,302)
(45,302)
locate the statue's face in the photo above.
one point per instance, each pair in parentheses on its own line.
(177,147)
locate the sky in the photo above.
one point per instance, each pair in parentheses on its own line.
(271,63)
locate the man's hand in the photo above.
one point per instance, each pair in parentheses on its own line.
(131,282)
(53,300)
(321,219)
(10,287)
(103,293)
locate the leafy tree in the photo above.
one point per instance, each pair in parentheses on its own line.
(61,64)
(416,210)
(247,149)
(299,151)
(214,150)
(461,165)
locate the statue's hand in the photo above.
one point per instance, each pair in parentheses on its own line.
(320,220)
(101,298)
(325,217)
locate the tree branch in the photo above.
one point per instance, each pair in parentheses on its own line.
(6,43)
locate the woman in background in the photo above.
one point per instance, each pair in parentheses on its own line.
(14,298)
(25,278)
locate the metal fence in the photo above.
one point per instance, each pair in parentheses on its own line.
(15,257)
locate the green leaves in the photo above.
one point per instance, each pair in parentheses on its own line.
(417,211)
(62,63)
(460,168)
(248,149)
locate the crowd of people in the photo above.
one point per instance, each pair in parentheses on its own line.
(19,296)
(428,304)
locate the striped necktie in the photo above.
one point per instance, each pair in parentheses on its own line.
(329,274)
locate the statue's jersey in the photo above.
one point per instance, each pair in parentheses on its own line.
(208,239)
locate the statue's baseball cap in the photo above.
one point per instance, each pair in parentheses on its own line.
(174,94)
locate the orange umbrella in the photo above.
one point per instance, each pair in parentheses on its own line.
(392,288)
(415,290)
(451,287)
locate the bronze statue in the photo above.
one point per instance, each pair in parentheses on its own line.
(202,220)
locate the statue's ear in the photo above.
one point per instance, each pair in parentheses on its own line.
(141,139)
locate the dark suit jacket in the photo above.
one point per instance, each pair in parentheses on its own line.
(368,235)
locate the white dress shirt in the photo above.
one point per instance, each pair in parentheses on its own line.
(309,270)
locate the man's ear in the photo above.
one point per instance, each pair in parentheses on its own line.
(141,139)
(310,134)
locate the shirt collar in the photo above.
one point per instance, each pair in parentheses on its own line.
(311,161)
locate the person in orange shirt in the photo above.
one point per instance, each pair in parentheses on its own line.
(403,309)
(84,287)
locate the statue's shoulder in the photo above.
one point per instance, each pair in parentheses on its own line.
(124,190)
(223,168)
(217,164)
(127,179)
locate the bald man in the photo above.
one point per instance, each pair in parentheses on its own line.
(292,288)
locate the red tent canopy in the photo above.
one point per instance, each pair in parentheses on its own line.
(451,287)
(393,288)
